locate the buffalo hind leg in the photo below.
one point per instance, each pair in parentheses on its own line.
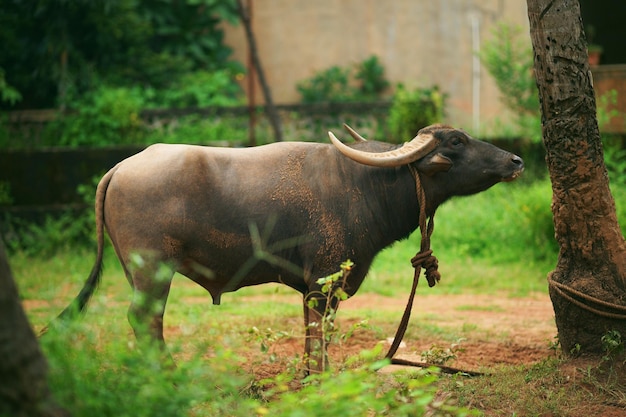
(151,286)
(317,327)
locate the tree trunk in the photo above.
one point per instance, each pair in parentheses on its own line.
(23,368)
(587,287)
(272,113)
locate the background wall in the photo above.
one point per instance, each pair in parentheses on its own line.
(420,43)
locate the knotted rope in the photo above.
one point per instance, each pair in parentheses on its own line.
(423,259)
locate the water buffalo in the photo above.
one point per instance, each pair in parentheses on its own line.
(205,211)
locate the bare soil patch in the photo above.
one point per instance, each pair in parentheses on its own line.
(497,331)
(493,330)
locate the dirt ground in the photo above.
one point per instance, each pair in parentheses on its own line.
(493,330)
(500,330)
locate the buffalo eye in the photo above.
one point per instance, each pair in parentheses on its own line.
(456,141)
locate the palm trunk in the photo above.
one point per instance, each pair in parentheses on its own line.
(587,287)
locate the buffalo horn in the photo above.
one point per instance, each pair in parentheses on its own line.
(354,134)
(411,151)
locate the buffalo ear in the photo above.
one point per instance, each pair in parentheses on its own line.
(434,164)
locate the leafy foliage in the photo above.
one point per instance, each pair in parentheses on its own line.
(612,344)
(333,291)
(370,74)
(106,116)
(412,110)
(130,382)
(328,85)
(361,391)
(509,60)
(197,130)
(364,81)
(55,51)
(8,93)
(54,234)
(47,238)
(438,355)
(111,115)
(614,145)
(118,379)
(198,89)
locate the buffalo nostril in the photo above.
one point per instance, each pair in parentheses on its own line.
(517,160)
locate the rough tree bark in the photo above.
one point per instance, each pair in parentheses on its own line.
(591,270)
(272,113)
(23,368)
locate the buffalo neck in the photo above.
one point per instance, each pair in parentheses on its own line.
(390,205)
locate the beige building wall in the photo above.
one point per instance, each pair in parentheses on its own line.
(420,43)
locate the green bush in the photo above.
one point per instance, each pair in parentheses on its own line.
(370,76)
(106,116)
(112,115)
(199,89)
(363,82)
(508,57)
(47,238)
(412,110)
(91,380)
(199,130)
(8,94)
(328,85)
(5,193)
(56,233)
(614,145)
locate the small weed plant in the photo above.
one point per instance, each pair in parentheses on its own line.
(437,355)
(266,338)
(612,344)
(333,292)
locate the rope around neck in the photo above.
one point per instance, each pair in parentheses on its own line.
(423,259)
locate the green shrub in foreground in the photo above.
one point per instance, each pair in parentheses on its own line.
(362,392)
(91,380)
(118,380)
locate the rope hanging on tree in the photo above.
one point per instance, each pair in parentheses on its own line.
(568,293)
(423,259)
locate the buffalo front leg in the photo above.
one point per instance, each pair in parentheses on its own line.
(318,321)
